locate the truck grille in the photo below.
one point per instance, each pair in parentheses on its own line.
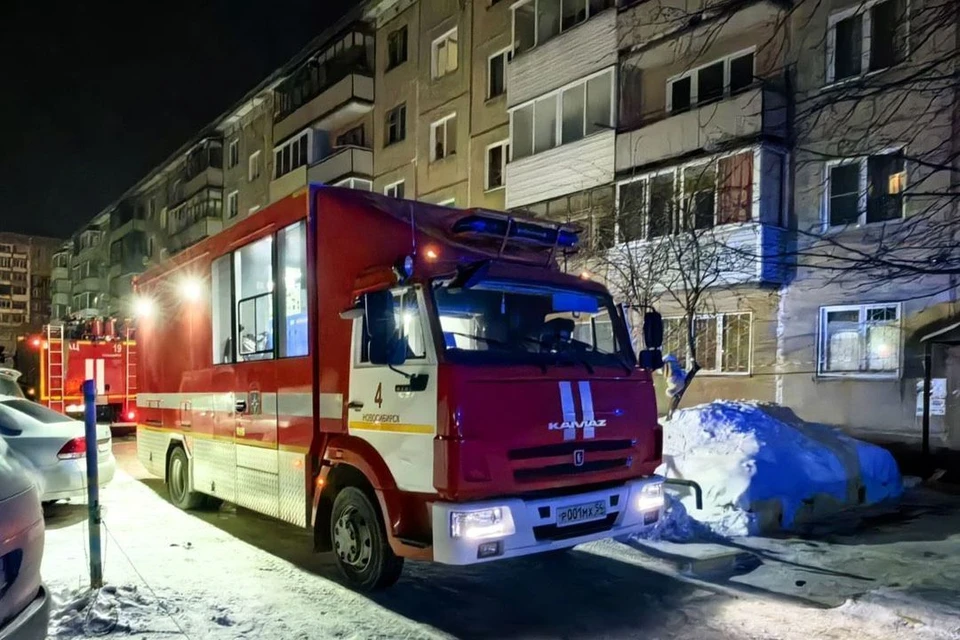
(553,532)
(554,461)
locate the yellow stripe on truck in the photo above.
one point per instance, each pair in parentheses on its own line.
(392,427)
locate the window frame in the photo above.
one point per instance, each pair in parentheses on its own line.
(435,52)
(679,205)
(401,125)
(487,187)
(558,94)
(396,33)
(233,157)
(505,54)
(862,309)
(233,204)
(865,10)
(718,317)
(694,75)
(254,169)
(863,163)
(394,185)
(536,21)
(434,128)
(429,346)
(298,139)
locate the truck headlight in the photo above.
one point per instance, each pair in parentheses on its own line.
(651,497)
(495,522)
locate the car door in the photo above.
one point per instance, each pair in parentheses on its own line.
(394,408)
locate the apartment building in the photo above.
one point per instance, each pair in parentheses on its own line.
(440,119)
(247,161)
(876,138)
(25,289)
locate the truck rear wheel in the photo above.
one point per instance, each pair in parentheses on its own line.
(178,481)
(360,544)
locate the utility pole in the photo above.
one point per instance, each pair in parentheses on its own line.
(93,482)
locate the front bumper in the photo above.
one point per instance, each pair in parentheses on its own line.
(32,622)
(67,480)
(535,523)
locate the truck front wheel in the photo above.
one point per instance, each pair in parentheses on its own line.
(360,544)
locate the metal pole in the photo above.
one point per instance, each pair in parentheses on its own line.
(93,482)
(927,374)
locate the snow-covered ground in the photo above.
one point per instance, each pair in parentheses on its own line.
(239,575)
(762,469)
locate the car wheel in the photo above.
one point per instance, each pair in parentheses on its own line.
(360,544)
(178,481)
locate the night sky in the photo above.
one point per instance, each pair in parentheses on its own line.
(95,94)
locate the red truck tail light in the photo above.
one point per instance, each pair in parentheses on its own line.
(131,415)
(76,448)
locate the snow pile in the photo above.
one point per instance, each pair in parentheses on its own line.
(97,612)
(763,469)
(932,610)
(676,525)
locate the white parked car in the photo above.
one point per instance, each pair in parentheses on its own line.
(8,383)
(55,446)
(24,603)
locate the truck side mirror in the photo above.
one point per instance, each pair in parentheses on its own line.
(385,345)
(652,330)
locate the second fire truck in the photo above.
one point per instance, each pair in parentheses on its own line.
(406,380)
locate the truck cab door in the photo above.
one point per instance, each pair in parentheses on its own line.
(394,407)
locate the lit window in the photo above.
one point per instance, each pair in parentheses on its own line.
(253,276)
(860,340)
(722,342)
(292,246)
(866,190)
(445,54)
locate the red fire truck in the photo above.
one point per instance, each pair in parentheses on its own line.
(406,380)
(55,363)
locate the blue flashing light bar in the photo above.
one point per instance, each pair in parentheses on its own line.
(501,226)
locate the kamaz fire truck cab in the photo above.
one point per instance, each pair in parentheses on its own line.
(448,393)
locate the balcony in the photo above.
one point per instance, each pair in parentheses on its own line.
(569,168)
(758,113)
(331,89)
(746,253)
(343,162)
(194,233)
(570,55)
(59,273)
(59,298)
(89,284)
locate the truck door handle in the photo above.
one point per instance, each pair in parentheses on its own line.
(356,405)
(240,406)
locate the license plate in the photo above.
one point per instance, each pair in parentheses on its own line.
(586,512)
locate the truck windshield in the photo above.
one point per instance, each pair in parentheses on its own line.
(509,322)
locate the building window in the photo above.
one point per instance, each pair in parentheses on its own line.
(396,124)
(707,193)
(233,154)
(292,154)
(233,204)
(537,21)
(580,109)
(869,37)
(497,74)
(443,138)
(724,77)
(361,184)
(253,278)
(397,47)
(353,138)
(222,311)
(497,165)
(253,166)
(722,341)
(394,190)
(866,190)
(444,54)
(860,340)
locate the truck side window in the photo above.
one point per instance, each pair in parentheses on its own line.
(221,312)
(408,319)
(253,273)
(294,333)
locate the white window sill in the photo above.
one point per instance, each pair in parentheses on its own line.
(840,228)
(859,375)
(837,84)
(495,189)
